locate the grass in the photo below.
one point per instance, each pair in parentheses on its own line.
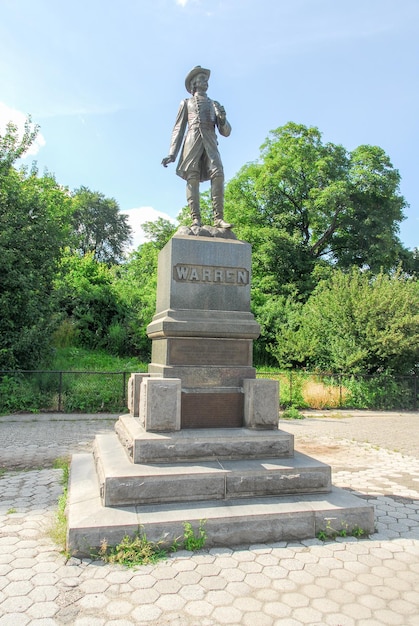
(292,413)
(58,530)
(83,359)
(335,415)
(102,390)
(194,540)
(133,551)
(139,550)
(318,395)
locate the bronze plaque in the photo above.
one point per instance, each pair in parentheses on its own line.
(210,351)
(212,410)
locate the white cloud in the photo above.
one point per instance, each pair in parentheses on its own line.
(182,3)
(7,114)
(138,216)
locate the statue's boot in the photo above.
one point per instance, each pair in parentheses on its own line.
(192,197)
(217,197)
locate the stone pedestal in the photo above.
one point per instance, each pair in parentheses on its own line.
(202,440)
(203,330)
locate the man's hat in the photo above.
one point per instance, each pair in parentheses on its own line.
(196,70)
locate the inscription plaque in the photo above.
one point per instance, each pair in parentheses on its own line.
(212,410)
(183,272)
(209,352)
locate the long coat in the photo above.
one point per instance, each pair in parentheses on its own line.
(199,153)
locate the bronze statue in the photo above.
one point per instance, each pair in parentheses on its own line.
(199,158)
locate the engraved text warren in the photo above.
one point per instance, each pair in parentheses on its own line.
(210,274)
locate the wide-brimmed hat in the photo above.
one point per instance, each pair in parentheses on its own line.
(196,70)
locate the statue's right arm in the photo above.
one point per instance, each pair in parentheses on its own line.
(169,159)
(177,133)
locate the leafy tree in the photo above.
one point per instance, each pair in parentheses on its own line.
(159,231)
(99,227)
(12,147)
(307,204)
(85,296)
(136,284)
(356,322)
(33,226)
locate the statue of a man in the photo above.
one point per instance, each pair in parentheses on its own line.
(199,158)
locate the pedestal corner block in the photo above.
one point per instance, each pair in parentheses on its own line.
(261,403)
(134,391)
(160,404)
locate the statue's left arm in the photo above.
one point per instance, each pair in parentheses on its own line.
(223,125)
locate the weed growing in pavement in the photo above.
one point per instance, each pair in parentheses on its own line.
(194,541)
(132,551)
(63,463)
(292,413)
(138,550)
(58,530)
(11,511)
(357,532)
(329,532)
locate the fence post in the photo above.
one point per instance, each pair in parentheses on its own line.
(415,392)
(124,388)
(60,390)
(340,390)
(291,387)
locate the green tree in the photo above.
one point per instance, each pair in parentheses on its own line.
(136,284)
(85,296)
(306,204)
(34,218)
(356,322)
(13,147)
(159,231)
(99,227)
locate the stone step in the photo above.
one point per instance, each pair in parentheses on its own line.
(123,483)
(205,444)
(228,522)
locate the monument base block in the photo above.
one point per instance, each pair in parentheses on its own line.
(202,440)
(228,523)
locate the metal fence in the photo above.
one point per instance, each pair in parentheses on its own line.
(320,390)
(93,392)
(68,391)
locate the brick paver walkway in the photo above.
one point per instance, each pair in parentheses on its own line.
(347,582)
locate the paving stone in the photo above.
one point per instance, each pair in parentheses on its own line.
(146,613)
(192,592)
(334,583)
(277,609)
(307,615)
(295,600)
(118,607)
(42,610)
(170,602)
(93,601)
(248,604)
(14,619)
(227,615)
(198,608)
(213,582)
(257,619)
(167,586)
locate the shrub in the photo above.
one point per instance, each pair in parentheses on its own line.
(318,395)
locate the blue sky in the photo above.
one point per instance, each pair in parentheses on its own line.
(104,80)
